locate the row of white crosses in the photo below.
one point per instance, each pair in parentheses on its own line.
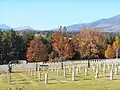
(112,68)
(73,67)
(32,72)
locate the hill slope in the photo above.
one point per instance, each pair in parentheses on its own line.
(4,27)
(106,25)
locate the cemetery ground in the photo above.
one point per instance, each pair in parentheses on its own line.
(22,81)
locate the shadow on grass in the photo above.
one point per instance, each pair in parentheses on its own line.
(44,79)
(52,83)
(52,78)
(107,76)
(19,80)
(87,79)
(37,80)
(24,83)
(20,83)
(62,82)
(16,72)
(77,76)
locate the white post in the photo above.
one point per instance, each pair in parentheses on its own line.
(86,70)
(97,73)
(108,67)
(97,66)
(116,70)
(104,68)
(57,72)
(111,74)
(64,72)
(38,68)
(46,78)
(73,74)
(77,70)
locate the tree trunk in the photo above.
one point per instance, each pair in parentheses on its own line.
(62,62)
(88,63)
(9,68)
(117,53)
(36,66)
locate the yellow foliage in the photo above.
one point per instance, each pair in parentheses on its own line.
(116,44)
(110,53)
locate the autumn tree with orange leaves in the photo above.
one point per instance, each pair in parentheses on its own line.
(90,43)
(62,45)
(37,50)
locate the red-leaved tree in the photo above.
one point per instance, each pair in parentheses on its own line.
(62,46)
(37,50)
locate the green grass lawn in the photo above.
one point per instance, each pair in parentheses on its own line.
(21,80)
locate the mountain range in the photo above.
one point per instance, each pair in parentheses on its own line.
(111,24)
(24,28)
(5,27)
